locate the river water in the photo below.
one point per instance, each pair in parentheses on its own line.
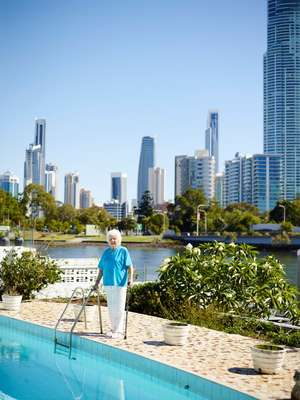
(146,260)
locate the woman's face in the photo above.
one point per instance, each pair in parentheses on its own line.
(113,242)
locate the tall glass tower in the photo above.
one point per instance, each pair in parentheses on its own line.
(282,91)
(212,136)
(147,160)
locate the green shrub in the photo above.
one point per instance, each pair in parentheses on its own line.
(229,277)
(148,299)
(145,299)
(27,273)
(287,338)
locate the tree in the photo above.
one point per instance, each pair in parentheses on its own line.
(183,213)
(66,213)
(10,210)
(239,221)
(35,199)
(292,212)
(105,220)
(215,218)
(243,207)
(127,224)
(156,223)
(146,207)
(89,215)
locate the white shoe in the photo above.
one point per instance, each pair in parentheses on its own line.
(109,334)
(117,335)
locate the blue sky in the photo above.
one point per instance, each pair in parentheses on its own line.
(106,73)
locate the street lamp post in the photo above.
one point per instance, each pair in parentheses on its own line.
(198,217)
(282,206)
(205,221)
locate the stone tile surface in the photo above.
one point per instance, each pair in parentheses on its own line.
(217,356)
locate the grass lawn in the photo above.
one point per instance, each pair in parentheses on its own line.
(53,236)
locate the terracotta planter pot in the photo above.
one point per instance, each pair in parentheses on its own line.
(176,333)
(11,303)
(90,311)
(267,359)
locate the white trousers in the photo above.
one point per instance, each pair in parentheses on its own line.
(116,298)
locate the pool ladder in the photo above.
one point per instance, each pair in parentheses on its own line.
(84,302)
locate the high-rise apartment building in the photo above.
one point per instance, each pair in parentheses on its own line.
(9,183)
(254,180)
(233,180)
(34,166)
(181,174)
(85,198)
(197,172)
(156,184)
(116,209)
(147,160)
(34,171)
(212,136)
(282,91)
(219,188)
(51,180)
(202,171)
(119,187)
(72,189)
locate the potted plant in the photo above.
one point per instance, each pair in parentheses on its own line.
(4,240)
(176,333)
(22,275)
(267,358)
(18,238)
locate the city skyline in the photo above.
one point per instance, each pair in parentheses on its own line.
(101,94)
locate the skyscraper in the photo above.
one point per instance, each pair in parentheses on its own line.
(212,136)
(181,174)
(282,90)
(72,189)
(147,160)
(86,200)
(119,187)
(9,183)
(40,135)
(51,180)
(157,185)
(34,166)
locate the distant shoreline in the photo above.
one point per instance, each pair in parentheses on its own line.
(103,243)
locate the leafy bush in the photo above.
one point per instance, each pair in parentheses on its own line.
(27,273)
(146,299)
(231,278)
(291,338)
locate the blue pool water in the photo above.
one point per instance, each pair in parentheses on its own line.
(30,370)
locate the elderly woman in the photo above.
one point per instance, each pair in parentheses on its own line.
(116,268)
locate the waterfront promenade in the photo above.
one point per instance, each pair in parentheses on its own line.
(217,356)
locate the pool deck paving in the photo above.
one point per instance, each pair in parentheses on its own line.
(220,357)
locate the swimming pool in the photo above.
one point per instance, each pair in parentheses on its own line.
(29,369)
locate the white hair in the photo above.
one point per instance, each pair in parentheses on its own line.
(114,233)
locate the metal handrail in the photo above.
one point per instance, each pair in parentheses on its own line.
(83,309)
(80,312)
(65,309)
